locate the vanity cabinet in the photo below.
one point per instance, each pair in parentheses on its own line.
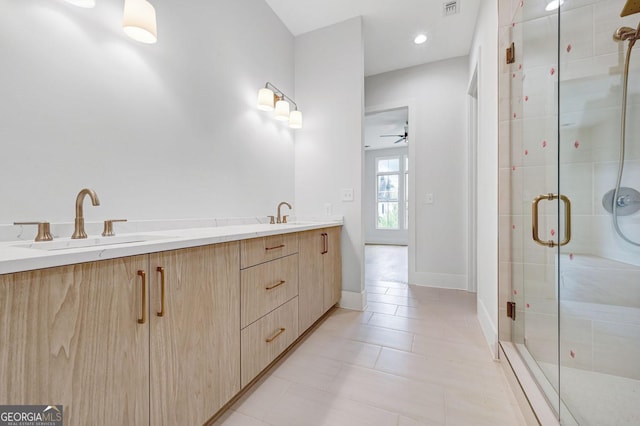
(90,337)
(320,285)
(194,337)
(69,335)
(162,338)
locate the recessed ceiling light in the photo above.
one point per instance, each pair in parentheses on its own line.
(420,39)
(553,5)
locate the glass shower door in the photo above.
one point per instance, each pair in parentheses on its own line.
(534,175)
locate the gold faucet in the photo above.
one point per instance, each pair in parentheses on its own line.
(280,218)
(78,232)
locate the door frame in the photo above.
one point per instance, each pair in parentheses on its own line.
(472,267)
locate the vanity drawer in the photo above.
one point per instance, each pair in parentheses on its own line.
(265,287)
(264,249)
(265,339)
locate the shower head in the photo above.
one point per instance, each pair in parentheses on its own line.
(631,7)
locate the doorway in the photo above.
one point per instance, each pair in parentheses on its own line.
(386,200)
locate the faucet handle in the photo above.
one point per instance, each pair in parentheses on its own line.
(108,227)
(272,219)
(44,230)
(284,218)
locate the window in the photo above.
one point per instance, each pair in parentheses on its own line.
(391,190)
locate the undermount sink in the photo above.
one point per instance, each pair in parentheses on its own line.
(68,243)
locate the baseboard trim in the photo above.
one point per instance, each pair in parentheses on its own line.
(354,300)
(430,279)
(488,328)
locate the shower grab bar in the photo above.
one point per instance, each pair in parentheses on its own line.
(567,219)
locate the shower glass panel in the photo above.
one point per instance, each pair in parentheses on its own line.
(577,322)
(599,272)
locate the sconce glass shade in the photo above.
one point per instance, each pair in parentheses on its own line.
(83,3)
(295,119)
(265,99)
(282,110)
(139,21)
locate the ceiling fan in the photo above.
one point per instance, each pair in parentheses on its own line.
(402,137)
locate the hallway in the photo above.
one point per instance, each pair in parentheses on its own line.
(416,356)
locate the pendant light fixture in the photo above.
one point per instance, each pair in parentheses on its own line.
(282,110)
(295,119)
(271,98)
(265,99)
(139,21)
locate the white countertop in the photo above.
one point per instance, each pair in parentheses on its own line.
(17,256)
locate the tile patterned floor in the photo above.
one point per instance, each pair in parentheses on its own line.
(416,356)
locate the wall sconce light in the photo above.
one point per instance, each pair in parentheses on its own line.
(83,3)
(139,21)
(271,98)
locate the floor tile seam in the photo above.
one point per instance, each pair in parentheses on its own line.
(280,396)
(343,362)
(252,417)
(382,345)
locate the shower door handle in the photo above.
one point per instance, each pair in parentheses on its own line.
(567,219)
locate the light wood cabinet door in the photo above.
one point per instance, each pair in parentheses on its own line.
(332,268)
(70,336)
(195,345)
(311,278)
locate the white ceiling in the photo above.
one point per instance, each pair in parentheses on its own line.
(389,27)
(390,122)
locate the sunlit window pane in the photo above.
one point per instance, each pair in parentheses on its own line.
(389,165)
(388,188)
(388,216)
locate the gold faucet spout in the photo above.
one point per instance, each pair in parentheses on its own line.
(284,203)
(79,231)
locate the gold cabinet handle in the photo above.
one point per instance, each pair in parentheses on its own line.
(275,336)
(143,275)
(325,243)
(567,219)
(272,286)
(161,270)
(274,248)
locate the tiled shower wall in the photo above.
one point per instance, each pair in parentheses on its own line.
(588,83)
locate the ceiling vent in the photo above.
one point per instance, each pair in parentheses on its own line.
(450,8)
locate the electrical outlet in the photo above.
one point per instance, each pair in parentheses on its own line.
(347,194)
(429,199)
(327,209)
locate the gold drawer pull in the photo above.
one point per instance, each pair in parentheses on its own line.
(143,275)
(274,248)
(162,296)
(272,286)
(275,336)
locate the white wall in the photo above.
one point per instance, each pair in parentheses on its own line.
(159,131)
(484,55)
(329,70)
(436,94)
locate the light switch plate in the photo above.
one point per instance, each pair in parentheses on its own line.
(347,194)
